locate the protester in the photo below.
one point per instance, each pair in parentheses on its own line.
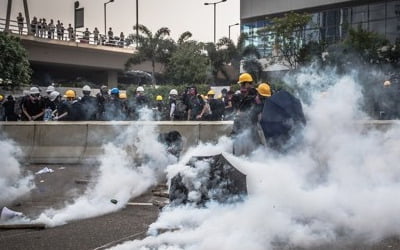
(9,109)
(34,24)
(110,35)
(102,98)
(89,104)
(113,109)
(86,35)
(33,107)
(159,109)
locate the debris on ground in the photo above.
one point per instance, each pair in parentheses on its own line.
(44,171)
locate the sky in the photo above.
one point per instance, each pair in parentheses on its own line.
(178,15)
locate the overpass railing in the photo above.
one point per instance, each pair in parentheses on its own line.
(78,35)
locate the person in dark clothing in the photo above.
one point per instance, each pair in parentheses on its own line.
(89,104)
(113,108)
(195,104)
(216,107)
(102,98)
(245,131)
(9,109)
(69,110)
(33,107)
(20,21)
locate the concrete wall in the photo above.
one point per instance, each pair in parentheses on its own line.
(77,142)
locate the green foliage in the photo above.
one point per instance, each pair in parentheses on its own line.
(15,69)
(155,48)
(288,34)
(187,64)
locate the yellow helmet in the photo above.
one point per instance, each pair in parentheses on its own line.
(1,98)
(264,89)
(219,96)
(158,98)
(122,95)
(70,93)
(211,92)
(245,77)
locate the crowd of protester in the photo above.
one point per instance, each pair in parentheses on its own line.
(115,105)
(56,30)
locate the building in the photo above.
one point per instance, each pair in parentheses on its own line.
(330,18)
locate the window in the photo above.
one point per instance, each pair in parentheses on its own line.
(377,11)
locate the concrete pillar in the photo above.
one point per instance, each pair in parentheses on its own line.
(112,79)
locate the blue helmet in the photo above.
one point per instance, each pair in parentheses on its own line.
(115,91)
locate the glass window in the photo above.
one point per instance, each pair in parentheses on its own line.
(393,9)
(363,26)
(377,26)
(359,14)
(377,11)
(393,29)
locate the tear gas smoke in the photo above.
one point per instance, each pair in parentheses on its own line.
(339,186)
(132,163)
(13,183)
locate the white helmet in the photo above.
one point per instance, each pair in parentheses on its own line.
(140,89)
(53,95)
(34,90)
(50,89)
(173,92)
(86,88)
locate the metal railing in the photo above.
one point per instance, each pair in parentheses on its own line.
(77,36)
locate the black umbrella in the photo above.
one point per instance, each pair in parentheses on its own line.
(225,183)
(282,113)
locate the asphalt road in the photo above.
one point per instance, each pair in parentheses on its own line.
(53,189)
(108,230)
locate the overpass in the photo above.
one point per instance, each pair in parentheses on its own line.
(76,60)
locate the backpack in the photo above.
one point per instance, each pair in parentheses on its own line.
(180,109)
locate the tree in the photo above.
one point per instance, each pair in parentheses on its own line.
(217,60)
(15,69)
(241,53)
(187,63)
(288,35)
(151,47)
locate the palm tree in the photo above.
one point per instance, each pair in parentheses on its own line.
(217,60)
(151,47)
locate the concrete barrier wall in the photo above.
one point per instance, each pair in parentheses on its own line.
(77,142)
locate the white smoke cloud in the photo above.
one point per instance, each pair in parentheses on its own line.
(13,182)
(339,186)
(132,163)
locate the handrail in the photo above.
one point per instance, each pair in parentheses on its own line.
(102,41)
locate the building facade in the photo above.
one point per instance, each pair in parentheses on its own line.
(331,19)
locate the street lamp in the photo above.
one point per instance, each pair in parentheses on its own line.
(215,4)
(105,16)
(229,33)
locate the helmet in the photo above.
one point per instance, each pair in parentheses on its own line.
(264,89)
(159,98)
(86,88)
(219,96)
(122,95)
(53,95)
(70,93)
(245,77)
(211,92)
(50,89)
(34,90)
(140,89)
(1,98)
(115,91)
(173,92)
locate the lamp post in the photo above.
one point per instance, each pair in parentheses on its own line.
(229,32)
(137,23)
(215,4)
(105,16)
